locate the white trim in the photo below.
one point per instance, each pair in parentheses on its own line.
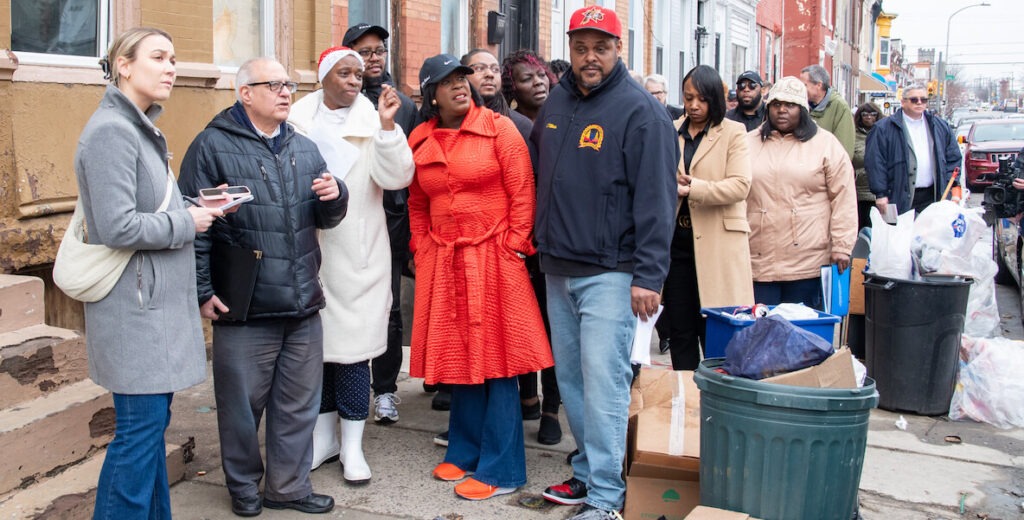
(65,60)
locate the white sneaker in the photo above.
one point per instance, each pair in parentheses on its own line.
(385,409)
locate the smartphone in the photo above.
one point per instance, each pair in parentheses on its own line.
(223,193)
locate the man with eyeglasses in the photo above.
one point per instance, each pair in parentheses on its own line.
(270,359)
(657,85)
(749,111)
(828,108)
(370,42)
(910,156)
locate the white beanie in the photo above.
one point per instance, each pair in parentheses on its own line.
(330,57)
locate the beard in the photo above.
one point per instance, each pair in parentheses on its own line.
(754,103)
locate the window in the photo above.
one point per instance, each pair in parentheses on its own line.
(883,52)
(454,27)
(739,60)
(56,31)
(659,58)
(242,29)
(373,12)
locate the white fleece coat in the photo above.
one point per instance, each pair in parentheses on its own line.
(356,269)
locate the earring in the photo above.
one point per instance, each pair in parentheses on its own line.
(433,102)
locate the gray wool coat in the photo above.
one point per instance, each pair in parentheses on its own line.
(145,337)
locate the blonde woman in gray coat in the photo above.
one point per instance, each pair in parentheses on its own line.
(144,339)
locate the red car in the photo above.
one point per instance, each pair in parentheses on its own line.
(986,142)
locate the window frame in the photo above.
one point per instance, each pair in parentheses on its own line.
(461,32)
(103,13)
(268,35)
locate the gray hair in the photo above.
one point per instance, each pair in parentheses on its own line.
(245,73)
(915,86)
(657,78)
(818,74)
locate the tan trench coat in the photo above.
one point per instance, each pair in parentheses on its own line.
(721,180)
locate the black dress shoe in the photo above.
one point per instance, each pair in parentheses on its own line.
(663,346)
(246,506)
(311,503)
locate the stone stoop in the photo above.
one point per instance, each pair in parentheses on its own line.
(72,494)
(37,360)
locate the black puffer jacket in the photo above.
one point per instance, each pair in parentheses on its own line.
(282,221)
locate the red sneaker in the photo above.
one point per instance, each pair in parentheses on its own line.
(568,493)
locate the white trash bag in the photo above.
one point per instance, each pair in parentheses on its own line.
(990,388)
(944,234)
(890,246)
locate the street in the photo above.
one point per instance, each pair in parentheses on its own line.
(908,475)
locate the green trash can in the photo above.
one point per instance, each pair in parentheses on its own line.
(780,452)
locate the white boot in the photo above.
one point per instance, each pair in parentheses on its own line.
(325,438)
(356,471)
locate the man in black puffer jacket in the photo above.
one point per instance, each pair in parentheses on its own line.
(271,358)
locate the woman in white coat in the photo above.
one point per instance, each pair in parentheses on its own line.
(368,151)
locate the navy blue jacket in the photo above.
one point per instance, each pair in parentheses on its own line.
(886,155)
(281,221)
(606,184)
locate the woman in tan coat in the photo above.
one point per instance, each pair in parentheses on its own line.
(710,252)
(803,204)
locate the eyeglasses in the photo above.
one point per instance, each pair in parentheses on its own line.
(869,114)
(657,92)
(276,86)
(366,53)
(479,68)
(917,100)
(746,85)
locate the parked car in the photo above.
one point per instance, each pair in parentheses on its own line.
(967,119)
(1006,251)
(985,143)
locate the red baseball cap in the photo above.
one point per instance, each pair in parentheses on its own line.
(597,18)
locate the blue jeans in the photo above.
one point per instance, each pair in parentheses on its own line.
(485,432)
(807,292)
(592,328)
(133,481)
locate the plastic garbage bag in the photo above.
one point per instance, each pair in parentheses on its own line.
(982,318)
(990,388)
(944,234)
(773,346)
(890,246)
(794,311)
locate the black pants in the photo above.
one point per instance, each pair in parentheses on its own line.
(864,213)
(923,197)
(548,381)
(386,366)
(681,299)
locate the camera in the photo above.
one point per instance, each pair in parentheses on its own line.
(1001,199)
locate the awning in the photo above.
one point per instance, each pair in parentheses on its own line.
(869,83)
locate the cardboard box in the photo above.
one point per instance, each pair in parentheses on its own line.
(650,498)
(663,476)
(857,285)
(834,372)
(713,513)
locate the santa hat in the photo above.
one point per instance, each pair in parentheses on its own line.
(330,57)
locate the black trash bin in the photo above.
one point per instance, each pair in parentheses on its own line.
(912,340)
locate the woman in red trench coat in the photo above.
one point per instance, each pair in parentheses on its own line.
(476,323)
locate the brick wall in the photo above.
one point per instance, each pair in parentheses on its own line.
(544,29)
(5,24)
(769,14)
(190,23)
(313,28)
(420,35)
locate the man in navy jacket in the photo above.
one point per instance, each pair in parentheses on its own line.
(606,160)
(910,156)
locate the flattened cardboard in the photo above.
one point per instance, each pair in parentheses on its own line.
(713,513)
(834,372)
(650,498)
(857,285)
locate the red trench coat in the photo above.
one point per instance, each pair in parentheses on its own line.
(471,209)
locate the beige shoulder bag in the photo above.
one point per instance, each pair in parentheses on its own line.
(88,272)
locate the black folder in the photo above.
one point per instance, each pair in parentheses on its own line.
(233,272)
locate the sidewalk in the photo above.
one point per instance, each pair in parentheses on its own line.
(908,475)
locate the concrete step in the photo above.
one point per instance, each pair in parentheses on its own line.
(38,360)
(21,302)
(49,433)
(71,494)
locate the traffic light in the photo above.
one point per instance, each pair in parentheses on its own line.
(932,87)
